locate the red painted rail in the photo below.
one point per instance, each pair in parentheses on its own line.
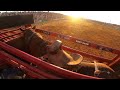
(87,43)
(79,41)
(55,69)
(9,35)
(17,62)
(59,71)
(86,54)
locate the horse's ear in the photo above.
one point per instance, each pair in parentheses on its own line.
(34,27)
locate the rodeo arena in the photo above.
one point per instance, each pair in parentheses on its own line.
(28,52)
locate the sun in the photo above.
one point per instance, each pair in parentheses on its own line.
(75,15)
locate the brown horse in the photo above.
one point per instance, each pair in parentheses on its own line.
(34,43)
(38,47)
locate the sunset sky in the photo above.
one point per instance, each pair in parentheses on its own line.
(104,16)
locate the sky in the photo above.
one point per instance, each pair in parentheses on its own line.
(104,16)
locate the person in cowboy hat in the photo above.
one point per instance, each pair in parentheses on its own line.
(57,56)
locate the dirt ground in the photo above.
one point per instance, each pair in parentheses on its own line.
(94,32)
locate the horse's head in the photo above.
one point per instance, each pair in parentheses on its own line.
(34,42)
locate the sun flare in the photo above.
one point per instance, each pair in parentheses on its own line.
(75,15)
(75,18)
(104,16)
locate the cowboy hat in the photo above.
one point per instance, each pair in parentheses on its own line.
(54,47)
(74,59)
(77,59)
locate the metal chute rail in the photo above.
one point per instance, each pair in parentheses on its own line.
(87,43)
(44,70)
(58,71)
(7,50)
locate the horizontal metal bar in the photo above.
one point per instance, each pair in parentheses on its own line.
(11,35)
(76,40)
(59,71)
(44,74)
(9,30)
(116,58)
(2,62)
(31,73)
(85,54)
(114,62)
